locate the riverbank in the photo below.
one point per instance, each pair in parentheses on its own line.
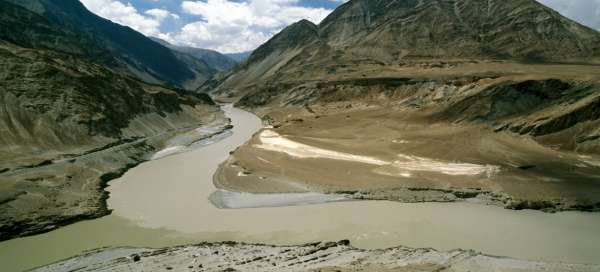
(324,257)
(71,187)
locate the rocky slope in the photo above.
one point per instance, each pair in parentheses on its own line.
(323,257)
(509,84)
(67,26)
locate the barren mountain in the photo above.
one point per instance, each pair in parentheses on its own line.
(383,34)
(420,87)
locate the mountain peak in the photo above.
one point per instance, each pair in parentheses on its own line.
(295,35)
(521,29)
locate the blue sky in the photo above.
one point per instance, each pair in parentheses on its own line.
(231,26)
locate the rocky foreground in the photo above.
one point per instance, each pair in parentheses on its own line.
(332,256)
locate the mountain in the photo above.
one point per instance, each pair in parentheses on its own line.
(72,29)
(214,59)
(239,57)
(386,42)
(71,119)
(392,32)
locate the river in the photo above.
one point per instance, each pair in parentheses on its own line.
(165,202)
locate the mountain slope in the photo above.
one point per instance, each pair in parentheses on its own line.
(391,33)
(123,48)
(522,29)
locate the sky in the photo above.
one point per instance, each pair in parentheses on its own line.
(231,26)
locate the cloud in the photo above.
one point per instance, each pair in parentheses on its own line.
(229,26)
(158,14)
(126,14)
(586,12)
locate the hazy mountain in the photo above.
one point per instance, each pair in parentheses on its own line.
(71,28)
(212,58)
(239,57)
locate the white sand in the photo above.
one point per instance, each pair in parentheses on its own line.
(414,163)
(272,141)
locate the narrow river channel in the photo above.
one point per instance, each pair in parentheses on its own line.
(165,202)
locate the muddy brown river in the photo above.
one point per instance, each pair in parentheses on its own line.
(165,202)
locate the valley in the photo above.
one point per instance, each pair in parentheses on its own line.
(422,135)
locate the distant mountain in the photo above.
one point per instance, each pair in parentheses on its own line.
(69,27)
(239,57)
(214,59)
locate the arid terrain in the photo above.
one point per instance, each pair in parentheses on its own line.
(524,136)
(379,102)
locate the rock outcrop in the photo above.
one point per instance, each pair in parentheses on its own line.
(331,256)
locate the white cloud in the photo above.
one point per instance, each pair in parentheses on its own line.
(158,14)
(586,12)
(229,26)
(126,14)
